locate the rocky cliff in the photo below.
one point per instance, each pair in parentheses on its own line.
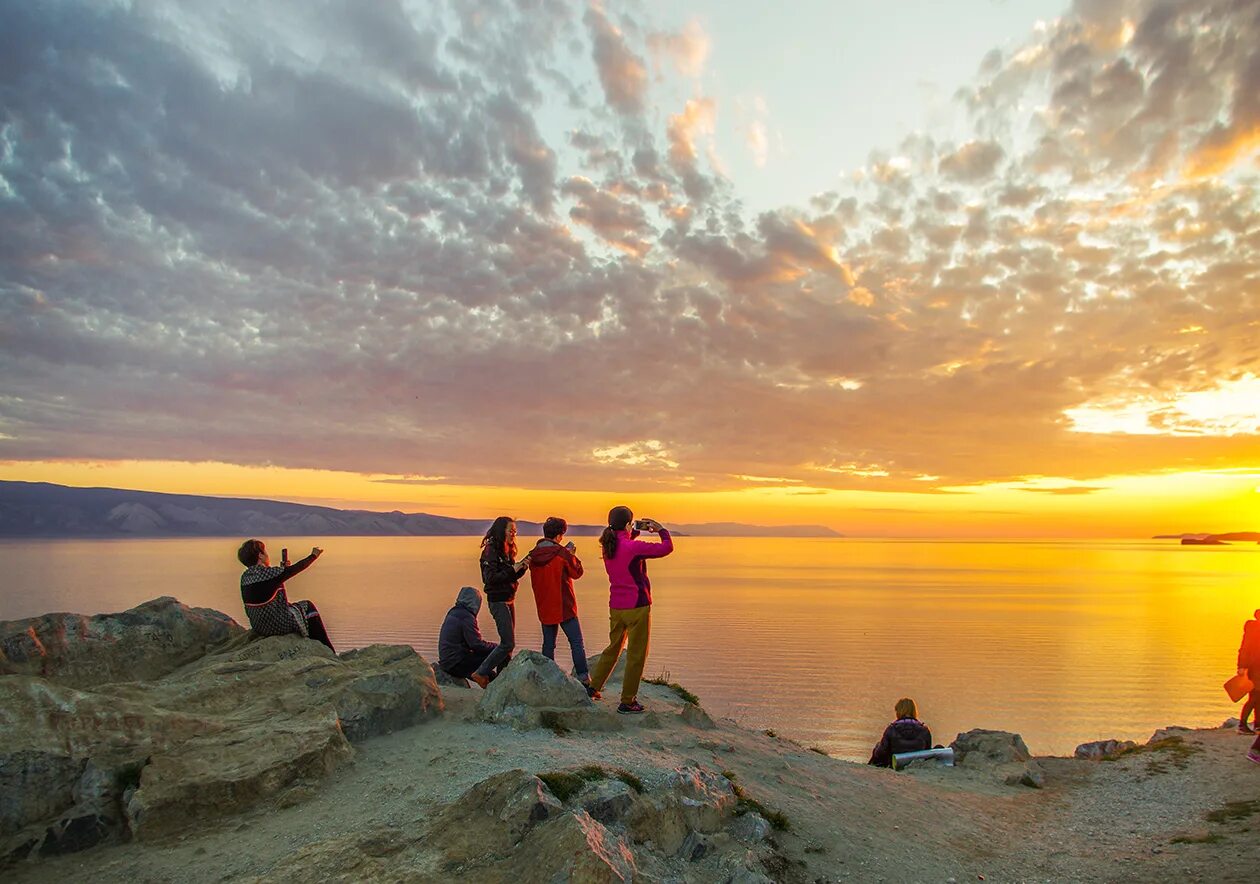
(274,760)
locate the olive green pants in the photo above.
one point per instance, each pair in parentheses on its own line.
(637,624)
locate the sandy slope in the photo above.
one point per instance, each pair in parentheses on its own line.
(1095,821)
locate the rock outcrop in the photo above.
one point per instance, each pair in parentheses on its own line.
(532,691)
(1100,749)
(145,642)
(1003,752)
(216,736)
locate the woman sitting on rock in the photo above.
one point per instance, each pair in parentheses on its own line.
(461,649)
(906,734)
(267,605)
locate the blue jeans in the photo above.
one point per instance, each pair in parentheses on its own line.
(573,632)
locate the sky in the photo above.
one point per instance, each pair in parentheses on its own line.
(961,268)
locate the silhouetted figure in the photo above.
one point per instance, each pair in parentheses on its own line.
(906,734)
(267,605)
(553,566)
(1249,665)
(499,573)
(461,649)
(629,599)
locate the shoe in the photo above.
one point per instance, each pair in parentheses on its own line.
(1245,729)
(634,707)
(591,692)
(481,680)
(1253,755)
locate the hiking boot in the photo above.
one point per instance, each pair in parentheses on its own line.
(1244,728)
(482,681)
(634,707)
(1253,755)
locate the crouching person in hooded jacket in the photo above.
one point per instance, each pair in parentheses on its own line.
(906,734)
(461,649)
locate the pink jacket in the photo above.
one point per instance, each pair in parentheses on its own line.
(628,584)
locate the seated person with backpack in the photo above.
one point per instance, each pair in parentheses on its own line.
(461,649)
(906,734)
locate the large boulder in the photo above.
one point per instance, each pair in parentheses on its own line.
(145,642)
(980,747)
(219,735)
(492,817)
(532,691)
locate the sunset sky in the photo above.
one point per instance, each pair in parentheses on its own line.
(963,268)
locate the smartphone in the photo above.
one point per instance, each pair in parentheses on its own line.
(640,525)
(284,556)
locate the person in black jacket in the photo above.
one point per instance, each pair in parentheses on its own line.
(461,649)
(906,734)
(499,573)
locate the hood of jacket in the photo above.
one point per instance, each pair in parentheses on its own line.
(546,550)
(469,597)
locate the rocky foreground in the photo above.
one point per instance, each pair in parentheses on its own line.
(166,743)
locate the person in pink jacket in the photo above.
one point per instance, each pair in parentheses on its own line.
(629,599)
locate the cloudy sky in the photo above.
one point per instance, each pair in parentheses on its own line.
(827,265)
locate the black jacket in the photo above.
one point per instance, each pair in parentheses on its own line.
(903,735)
(499,575)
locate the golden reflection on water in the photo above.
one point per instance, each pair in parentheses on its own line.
(1062,641)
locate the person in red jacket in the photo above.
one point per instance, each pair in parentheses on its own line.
(553,566)
(1249,664)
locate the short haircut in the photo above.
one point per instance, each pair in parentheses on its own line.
(554,527)
(250,552)
(905,708)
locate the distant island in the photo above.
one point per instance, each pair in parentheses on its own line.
(45,510)
(1205,539)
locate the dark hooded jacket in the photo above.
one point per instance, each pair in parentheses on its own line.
(903,735)
(460,635)
(552,570)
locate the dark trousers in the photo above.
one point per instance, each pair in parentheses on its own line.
(466,667)
(504,614)
(314,623)
(573,632)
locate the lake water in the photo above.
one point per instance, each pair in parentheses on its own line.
(1061,641)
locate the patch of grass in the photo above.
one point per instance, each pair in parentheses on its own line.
(685,695)
(745,803)
(564,784)
(769,732)
(1173,751)
(1234,810)
(553,722)
(1212,838)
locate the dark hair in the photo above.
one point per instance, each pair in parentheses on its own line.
(618,520)
(250,552)
(497,538)
(554,527)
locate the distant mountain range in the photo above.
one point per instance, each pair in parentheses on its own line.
(40,509)
(1202,539)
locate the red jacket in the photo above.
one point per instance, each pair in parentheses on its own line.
(1249,650)
(552,570)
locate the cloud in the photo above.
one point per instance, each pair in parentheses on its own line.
(687,50)
(621,72)
(480,243)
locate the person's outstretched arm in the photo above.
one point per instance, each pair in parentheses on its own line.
(648,550)
(299,566)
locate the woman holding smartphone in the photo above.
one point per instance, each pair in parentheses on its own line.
(629,599)
(500,572)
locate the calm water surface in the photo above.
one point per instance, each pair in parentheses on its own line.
(1062,641)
